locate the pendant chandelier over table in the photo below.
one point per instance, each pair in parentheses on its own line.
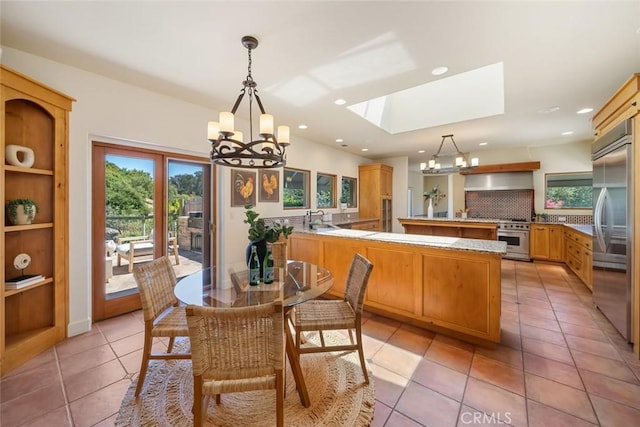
(227,143)
(460,163)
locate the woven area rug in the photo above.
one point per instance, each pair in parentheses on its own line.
(338,395)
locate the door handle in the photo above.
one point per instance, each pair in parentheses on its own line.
(597,219)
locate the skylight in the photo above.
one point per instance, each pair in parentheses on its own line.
(466,96)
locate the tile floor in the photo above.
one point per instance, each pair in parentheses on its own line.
(560,364)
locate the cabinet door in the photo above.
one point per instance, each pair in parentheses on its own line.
(556,243)
(539,238)
(386,182)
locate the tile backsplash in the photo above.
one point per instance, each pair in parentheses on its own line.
(500,204)
(513,204)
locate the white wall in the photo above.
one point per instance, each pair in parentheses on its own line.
(417,185)
(115,111)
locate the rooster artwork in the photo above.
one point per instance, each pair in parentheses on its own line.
(269,190)
(243,186)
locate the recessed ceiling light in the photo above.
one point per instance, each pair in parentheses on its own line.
(584,110)
(420,151)
(483,143)
(569,132)
(549,110)
(302,126)
(439,71)
(339,140)
(364,149)
(340,101)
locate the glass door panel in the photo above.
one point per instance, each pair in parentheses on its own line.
(127,223)
(188,215)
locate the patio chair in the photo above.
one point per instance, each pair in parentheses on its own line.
(131,247)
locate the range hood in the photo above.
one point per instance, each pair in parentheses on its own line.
(499,181)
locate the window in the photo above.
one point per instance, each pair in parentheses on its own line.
(568,190)
(296,189)
(349,192)
(325,190)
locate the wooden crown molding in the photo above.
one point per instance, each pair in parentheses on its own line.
(504,167)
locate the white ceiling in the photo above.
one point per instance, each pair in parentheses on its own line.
(570,54)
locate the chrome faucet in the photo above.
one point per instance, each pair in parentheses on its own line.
(308,216)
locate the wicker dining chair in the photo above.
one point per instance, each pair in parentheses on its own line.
(235,350)
(324,315)
(163,316)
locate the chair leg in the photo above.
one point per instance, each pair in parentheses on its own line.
(279,399)
(170,346)
(146,351)
(361,353)
(350,336)
(321,338)
(197,401)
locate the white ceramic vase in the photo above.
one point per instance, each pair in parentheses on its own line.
(430,209)
(13,153)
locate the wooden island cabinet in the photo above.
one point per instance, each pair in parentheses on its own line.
(467,228)
(448,285)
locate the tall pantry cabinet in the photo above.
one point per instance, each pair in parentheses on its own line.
(35,317)
(376,191)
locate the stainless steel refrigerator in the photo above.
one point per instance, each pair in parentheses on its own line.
(612,225)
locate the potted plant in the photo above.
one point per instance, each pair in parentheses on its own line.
(260,233)
(344,201)
(22,211)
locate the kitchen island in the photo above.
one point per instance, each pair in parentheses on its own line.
(471,228)
(446,284)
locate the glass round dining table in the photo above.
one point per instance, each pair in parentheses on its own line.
(299,282)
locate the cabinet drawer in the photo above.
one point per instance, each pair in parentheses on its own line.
(574,249)
(579,238)
(575,264)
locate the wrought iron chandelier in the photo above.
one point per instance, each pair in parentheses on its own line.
(227,143)
(461,161)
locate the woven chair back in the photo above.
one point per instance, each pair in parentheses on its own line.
(156,281)
(236,343)
(357,280)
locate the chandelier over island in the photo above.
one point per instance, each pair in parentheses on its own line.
(460,163)
(227,143)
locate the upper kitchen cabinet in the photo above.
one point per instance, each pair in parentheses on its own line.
(34,132)
(376,190)
(624,104)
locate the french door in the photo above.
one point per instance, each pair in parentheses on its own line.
(145,204)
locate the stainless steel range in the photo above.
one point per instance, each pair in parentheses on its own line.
(516,234)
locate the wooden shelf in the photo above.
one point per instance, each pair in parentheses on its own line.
(36,317)
(504,167)
(20,169)
(10,292)
(12,228)
(14,341)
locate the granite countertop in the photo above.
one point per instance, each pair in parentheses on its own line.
(457,219)
(586,229)
(454,243)
(353,221)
